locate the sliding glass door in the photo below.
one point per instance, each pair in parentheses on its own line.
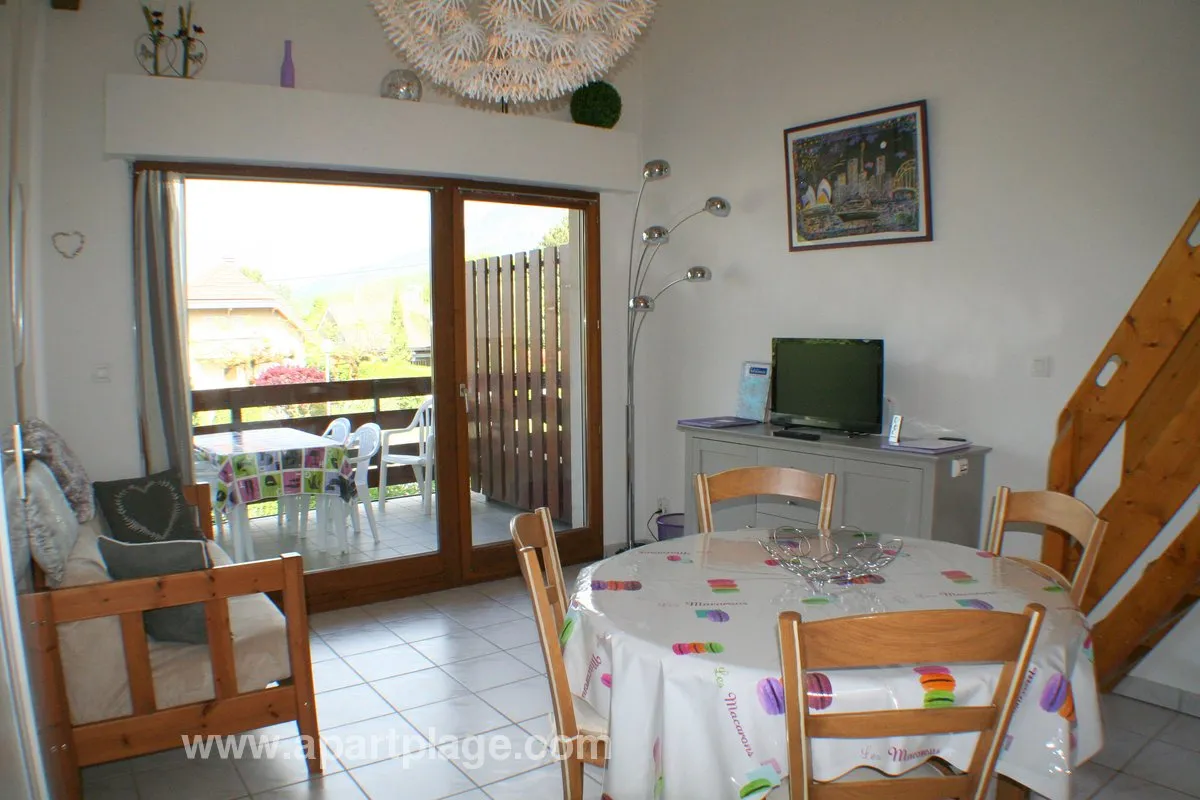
(458,318)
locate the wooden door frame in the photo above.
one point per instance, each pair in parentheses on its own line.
(499,560)
(453,564)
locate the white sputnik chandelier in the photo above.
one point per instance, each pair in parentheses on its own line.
(513,51)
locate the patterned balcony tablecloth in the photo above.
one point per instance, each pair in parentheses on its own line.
(676,644)
(266,463)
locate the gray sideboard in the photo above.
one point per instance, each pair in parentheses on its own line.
(889,491)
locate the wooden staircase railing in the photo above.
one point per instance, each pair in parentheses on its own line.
(1148,379)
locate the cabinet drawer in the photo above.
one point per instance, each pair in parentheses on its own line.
(792,510)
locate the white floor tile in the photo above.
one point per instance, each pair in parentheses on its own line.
(424,626)
(489,612)
(1119,747)
(521,700)
(424,775)
(531,655)
(1088,779)
(342,619)
(1183,731)
(335,674)
(487,671)
(329,787)
(544,784)
(1127,787)
(453,647)
(419,689)
(1134,715)
(286,766)
(459,716)
(213,779)
(1165,764)
(497,755)
(119,786)
(343,706)
(388,662)
(378,739)
(320,651)
(361,640)
(510,634)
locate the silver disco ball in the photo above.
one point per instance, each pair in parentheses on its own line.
(401,84)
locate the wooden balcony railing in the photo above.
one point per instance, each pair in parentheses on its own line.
(297,401)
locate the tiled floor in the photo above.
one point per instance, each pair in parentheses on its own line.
(466,661)
(404,530)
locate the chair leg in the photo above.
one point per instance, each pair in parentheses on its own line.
(419,474)
(572,779)
(383,468)
(301,502)
(338,512)
(366,503)
(352,509)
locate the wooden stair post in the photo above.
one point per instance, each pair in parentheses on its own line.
(1147,378)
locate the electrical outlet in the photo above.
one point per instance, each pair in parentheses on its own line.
(662,505)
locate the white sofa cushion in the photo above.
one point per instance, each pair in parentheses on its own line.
(93,658)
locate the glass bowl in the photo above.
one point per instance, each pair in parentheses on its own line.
(841,556)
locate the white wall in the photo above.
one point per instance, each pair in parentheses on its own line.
(1063,161)
(338,48)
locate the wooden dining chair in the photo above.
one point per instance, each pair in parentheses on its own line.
(747,481)
(582,733)
(1069,514)
(910,637)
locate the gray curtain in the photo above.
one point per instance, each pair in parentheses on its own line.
(164,393)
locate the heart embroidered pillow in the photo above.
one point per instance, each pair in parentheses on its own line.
(149,509)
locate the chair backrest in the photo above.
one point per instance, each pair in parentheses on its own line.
(338,430)
(533,535)
(1069,514)
(423,422)
(746,481)
(366,441)
(919,638)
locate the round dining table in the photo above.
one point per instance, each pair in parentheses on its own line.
(676,644)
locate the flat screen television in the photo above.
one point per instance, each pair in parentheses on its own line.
(828,383)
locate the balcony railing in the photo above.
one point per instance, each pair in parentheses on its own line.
(304,406)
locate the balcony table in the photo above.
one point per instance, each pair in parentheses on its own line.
(266,463)
(676,644)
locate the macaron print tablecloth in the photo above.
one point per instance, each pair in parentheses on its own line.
(267,463)
(676,644)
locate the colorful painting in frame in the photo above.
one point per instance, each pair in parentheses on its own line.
(859,179)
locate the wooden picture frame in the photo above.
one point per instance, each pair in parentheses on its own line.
(859,179)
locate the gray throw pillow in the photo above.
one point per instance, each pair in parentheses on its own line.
(53,528)
(149,509)
(126,561)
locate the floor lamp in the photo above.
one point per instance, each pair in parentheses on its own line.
(641,304)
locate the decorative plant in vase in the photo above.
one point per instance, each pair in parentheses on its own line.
(193,53)
(154,47)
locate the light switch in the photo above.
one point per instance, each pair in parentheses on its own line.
(101,374)
(1041,367)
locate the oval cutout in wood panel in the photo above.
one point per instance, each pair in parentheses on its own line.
(1194,237)
(1109,369)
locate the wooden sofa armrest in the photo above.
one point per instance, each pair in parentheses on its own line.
(230,711)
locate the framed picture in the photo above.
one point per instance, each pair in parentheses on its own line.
(859,179)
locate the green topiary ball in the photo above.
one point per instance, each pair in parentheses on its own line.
(597,104)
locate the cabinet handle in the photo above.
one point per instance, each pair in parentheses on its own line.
(789,502)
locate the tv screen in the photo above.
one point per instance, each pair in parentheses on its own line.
(828,383)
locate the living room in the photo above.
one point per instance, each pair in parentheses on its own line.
(1035,112)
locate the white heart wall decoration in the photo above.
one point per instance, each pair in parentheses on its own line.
(69,244)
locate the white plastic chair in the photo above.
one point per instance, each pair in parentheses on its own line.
(365,441)
(339,431)
(421,463)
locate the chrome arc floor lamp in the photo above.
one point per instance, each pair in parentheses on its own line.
(642,303)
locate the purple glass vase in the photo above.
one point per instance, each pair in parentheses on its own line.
(287,72)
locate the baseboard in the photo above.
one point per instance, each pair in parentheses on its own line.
(1159,694)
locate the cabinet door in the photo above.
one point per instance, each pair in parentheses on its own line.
(710,456)
(794,511)
(878,497)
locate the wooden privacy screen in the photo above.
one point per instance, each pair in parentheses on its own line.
(1147,378)
(518,381)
